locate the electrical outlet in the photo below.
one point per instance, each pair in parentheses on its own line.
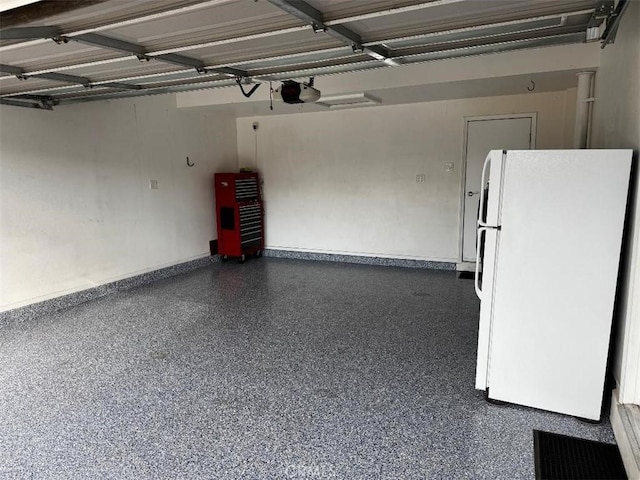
(420,178)
(448,167)
(153,184)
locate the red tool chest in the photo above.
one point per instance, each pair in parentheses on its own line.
(240,216)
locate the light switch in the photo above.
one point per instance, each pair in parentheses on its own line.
(448,167)
(153,184)
(420,178)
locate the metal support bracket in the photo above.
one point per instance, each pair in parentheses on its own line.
(109,43)
(613,21)
(603,11)
(318,28)
(11,70)
(42,102)
(14,103)
(29,33)
(599,19)
(62,77)
(119,85)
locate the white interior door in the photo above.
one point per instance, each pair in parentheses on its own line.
(483,135)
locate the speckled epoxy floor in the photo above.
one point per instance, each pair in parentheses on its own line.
(271,369)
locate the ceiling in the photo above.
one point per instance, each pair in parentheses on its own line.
(54,52)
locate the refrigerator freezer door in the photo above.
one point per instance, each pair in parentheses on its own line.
(494,166)
(562,215)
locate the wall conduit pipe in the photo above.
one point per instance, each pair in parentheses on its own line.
(583,110)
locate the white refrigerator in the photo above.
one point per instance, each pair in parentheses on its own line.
(549,238)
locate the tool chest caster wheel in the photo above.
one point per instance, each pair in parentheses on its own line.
(242,258)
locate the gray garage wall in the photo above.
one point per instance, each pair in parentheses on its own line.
(344,181)
(617,125)
(76,210)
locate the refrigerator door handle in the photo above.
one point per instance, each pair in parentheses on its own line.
(482,189)
(476,278)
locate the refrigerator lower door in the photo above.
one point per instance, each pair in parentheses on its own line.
(556,271)
(485,268)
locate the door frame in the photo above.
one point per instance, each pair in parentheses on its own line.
(463,177)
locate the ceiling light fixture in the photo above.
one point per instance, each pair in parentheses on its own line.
(360,99)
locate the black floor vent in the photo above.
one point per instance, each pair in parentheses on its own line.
(560,457)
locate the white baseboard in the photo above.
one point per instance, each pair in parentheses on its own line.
(625,420)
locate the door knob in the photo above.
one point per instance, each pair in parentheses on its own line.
(471,194)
